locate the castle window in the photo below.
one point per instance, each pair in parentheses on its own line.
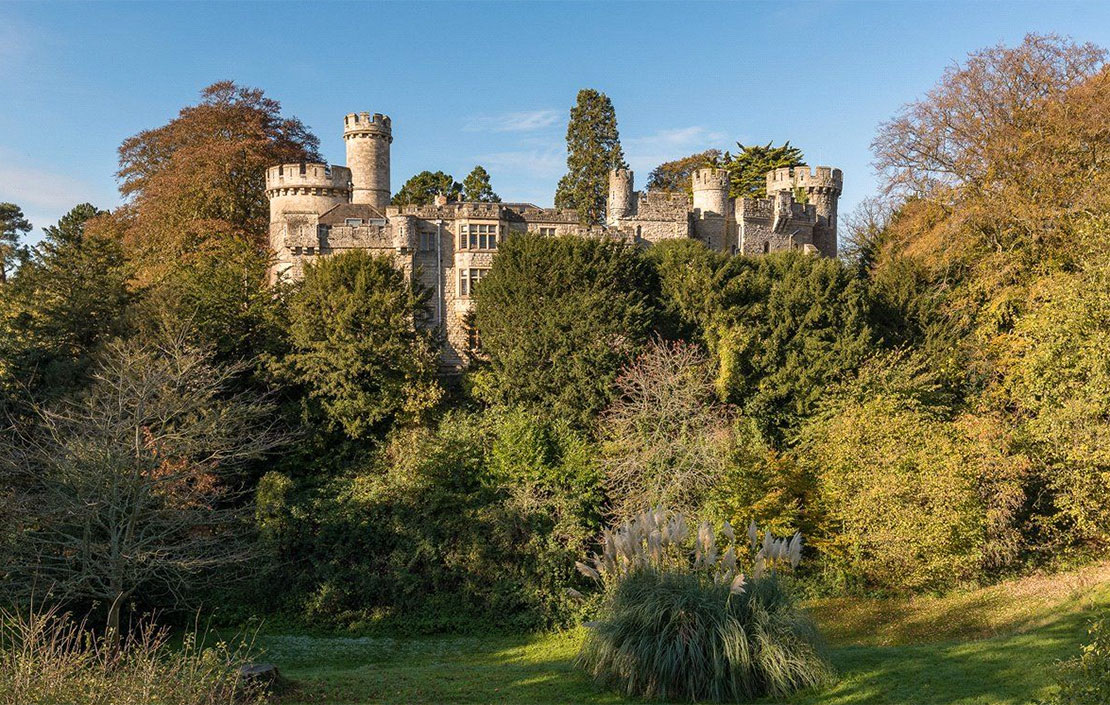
(478,237)
(427,241)
(353,222)
(547,232)
(310,251)
(296,250)
(468,281)
(766,247)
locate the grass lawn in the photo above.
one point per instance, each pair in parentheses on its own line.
(986,647)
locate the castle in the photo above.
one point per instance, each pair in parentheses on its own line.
(318,210)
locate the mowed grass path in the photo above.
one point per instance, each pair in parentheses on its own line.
(985,647)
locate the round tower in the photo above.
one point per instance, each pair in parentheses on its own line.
(711,191)
(368,137)
(306,187)
(620,195)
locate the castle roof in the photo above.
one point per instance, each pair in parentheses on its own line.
(339,214)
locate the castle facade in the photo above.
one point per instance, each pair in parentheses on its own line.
(318,210)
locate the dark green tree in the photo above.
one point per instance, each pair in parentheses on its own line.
(70,297)
(357,350)
(12,225)
(223,300)
(784,327)
(675,176)
(476,187)
(558,318)
(747,169)
(593,148)
(422,189)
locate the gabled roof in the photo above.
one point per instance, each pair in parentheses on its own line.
(339,214)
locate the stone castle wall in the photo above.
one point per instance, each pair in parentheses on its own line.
(317,210)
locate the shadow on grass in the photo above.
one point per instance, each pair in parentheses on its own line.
(539,670)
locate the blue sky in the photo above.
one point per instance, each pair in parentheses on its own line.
(486,83)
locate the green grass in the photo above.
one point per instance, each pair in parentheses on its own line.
(984,647)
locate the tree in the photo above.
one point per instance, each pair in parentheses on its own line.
(71,296)
(667,438)
(676,176)
(787,325)
(969,129)
(356,347)
(202,175)
(747,169)
(593,149)
(558,318)
(224,300)
(129,484)
(422,189)
(12,224)
(476,187)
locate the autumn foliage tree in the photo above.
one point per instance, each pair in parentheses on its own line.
(202,174)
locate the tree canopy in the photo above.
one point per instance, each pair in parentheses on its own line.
(476,187)
(558,317)
(202,175)
(593,149)
(422,189)
(13,225)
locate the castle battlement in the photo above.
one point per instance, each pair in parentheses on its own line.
(308,175)
(710,178)
(317,210)
(366,124)
(822,177)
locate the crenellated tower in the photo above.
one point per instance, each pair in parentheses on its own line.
(368,137)
(620,203)
(822,188)
(711,191)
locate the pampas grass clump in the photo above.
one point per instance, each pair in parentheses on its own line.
(680,621)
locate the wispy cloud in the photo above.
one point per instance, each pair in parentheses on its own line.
(521,121)
(43,195)
(646,152)
(539,162)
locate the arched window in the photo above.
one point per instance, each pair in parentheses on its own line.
(766,246)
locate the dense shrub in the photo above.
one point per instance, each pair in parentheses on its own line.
(897,494)
(50,658)
(680,621)
(1085,679)
(356,350)
(558,318)
(471,524)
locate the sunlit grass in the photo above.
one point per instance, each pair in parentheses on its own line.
(995,646)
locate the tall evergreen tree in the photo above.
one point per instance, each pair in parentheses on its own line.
(421,190)
(593,148)
(12,225)
(70,297)
(747,169)
(476,187)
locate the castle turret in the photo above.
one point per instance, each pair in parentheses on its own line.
(368,137)
(711,191)
(306,188)
(822,188)
(620,195)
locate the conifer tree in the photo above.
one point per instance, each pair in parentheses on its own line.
(747,169)
(476,187)
(12,224)
(593,148)
(421,190)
